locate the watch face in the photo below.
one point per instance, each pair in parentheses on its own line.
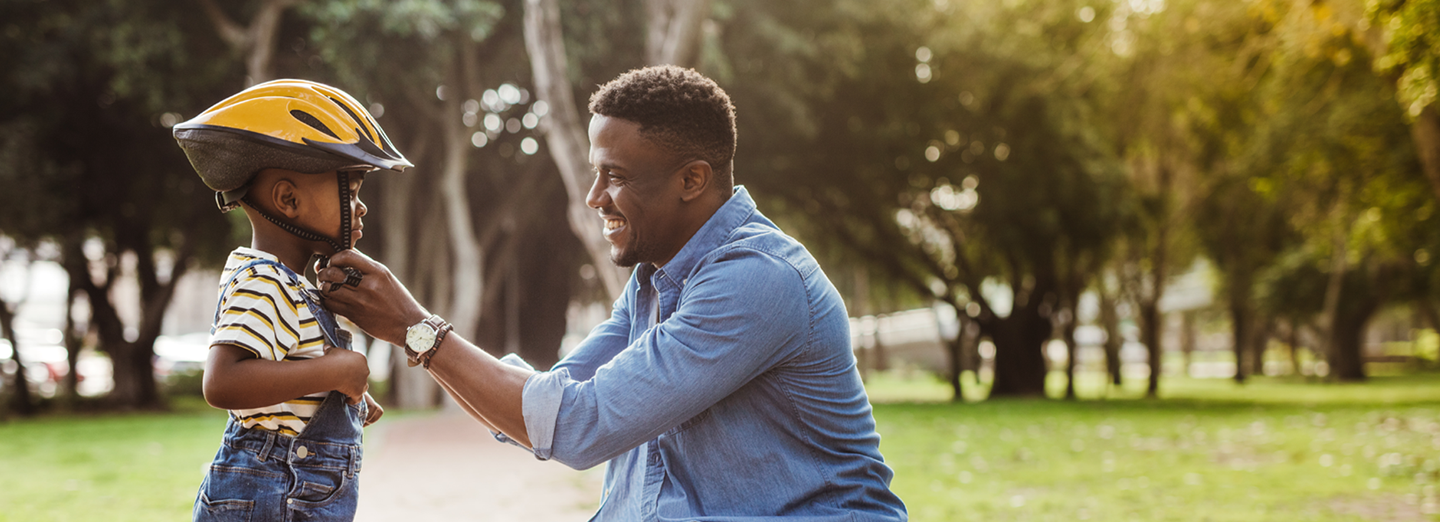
(420,337)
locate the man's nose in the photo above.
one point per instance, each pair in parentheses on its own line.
(360,208)
(597,197)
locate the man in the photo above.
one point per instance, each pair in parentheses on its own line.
(723,386)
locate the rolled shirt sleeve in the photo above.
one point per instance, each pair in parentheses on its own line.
(540,399)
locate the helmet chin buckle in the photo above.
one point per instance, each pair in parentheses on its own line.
(224,205)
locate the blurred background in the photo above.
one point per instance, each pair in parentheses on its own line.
(1017,198)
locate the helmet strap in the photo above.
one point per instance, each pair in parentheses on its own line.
(343,177)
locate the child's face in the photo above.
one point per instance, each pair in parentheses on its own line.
(312,201)
(325,208)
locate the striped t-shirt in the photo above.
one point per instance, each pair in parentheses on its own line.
(264,314)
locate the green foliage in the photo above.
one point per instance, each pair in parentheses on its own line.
(1412,31)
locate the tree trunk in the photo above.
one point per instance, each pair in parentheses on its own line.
(1187,338)
(1110,321)
(1240,326)
(1073,349)
(955,351)
(1259,342)
(409,228)
(1426,133)
(132,361)
(74,339)
(256,42)
(1347,362)
(566,136)
(1150,327)
(1019,357)
(1333,287)
(20,400)
(467,279)
(1294,340)
(673,31)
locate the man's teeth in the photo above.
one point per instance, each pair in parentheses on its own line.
(612,224)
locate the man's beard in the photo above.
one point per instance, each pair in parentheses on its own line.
(632,256)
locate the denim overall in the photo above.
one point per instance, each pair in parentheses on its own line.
(262,475)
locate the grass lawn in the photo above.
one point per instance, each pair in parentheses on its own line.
(1271,450)
(106,467)
(1274,449)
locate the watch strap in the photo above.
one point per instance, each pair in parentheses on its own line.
(445,328)
(413,358)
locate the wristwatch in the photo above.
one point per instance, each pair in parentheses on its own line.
(423,338)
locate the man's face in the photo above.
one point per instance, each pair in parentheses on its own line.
(637,191)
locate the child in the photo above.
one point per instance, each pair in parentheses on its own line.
(283,150)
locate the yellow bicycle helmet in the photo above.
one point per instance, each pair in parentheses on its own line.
(296,125)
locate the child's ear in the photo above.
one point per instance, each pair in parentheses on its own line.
(286,198)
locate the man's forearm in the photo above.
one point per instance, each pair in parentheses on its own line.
(492,389)
(464,404)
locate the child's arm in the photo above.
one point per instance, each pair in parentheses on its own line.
(236,380)
(373,410)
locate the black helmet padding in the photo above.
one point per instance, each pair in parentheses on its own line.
(228,160)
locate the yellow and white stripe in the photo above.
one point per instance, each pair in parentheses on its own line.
(262,313)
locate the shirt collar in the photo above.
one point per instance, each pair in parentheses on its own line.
(250,252)
(720,226)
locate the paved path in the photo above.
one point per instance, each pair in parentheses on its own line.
(444,467)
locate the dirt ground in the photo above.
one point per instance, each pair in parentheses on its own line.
(445,467)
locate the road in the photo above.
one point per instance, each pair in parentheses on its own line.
(444,467)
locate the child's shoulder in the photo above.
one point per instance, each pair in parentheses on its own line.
(252,271)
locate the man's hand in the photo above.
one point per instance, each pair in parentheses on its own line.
(350,370)
(380,305)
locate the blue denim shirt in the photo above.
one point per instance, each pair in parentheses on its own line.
(723,387)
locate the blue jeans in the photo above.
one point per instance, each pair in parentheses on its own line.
(261,475)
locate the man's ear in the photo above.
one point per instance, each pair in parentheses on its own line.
(285,196)
(695,180)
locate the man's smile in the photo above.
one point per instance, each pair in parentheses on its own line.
(612,225)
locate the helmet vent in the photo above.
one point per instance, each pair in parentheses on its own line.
(314,122)
(358,121)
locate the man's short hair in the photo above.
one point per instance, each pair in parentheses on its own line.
(678,109)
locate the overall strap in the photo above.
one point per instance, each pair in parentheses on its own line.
(294,279)
(326,319)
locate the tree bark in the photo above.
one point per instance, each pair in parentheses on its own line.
(467,279)
(1187,338)
(1259,342)
(1019,355)
(74,339)
(1240,323)
(20,400)
(1019,338)
(257,41)
(1331,314)
(1347,362)
(954,349)
(1426,133)
(566,136)
(673,32)
(1073,349)
(1110,321)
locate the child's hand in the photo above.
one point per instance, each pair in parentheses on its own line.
(350,371)
(373,410)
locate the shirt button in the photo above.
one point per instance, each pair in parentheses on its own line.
(291,501)
(303,452)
